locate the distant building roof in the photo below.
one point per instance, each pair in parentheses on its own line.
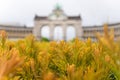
(40,17)
(69,17)
(15,26)
(74,17)
(109,24)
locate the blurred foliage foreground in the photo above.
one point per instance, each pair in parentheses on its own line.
(29,59)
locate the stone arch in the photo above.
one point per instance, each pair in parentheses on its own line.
(58,33)
(70,32)
(45,31)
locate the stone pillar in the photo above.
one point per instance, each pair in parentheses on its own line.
(64,27)
(51,32)
(36,30)
(78,29)
(39,32)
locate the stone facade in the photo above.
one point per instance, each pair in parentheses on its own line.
(58,18)
(52,24)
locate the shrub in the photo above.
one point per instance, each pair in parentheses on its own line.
(44,39)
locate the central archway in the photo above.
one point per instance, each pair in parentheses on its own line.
(58,33)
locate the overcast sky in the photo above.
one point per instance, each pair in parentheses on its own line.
(93,12)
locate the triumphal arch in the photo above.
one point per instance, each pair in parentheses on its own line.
(57,19)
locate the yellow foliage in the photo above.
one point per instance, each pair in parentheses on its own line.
(29,59)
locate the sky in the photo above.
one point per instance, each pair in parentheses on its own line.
(93,12)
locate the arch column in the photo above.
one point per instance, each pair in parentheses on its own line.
(51,32)
(78,31)
(64,27)
(37,31)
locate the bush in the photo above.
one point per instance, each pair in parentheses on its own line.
(44,39)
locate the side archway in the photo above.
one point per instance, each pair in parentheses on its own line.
(45,32)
